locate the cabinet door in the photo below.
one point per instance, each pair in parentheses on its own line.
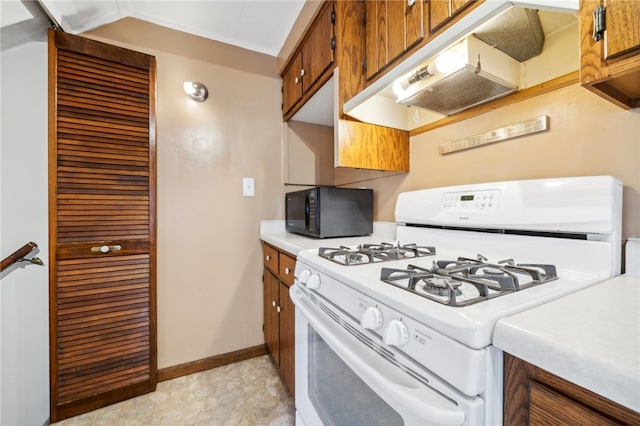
(541,398)
(392,27)
(458,5)
(102,224)
(367,146)
(271,258)
(623,27)
(610,67)
(371,37)
(414,23)
(317,50)
(286,268)
(395,28)
(271,303)
(287,338)
(292,84)
(439,13)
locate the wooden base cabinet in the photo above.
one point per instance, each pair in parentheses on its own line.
(533,396)
(279,311)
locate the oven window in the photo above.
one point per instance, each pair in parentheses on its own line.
(338,395)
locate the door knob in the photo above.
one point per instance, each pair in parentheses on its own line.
(106,248)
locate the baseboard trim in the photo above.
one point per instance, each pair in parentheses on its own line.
(180,370)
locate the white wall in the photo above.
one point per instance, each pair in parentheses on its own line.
(24,306)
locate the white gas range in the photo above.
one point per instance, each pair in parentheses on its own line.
(401,332)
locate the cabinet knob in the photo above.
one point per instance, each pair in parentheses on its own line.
(297,80)
(273,303)
(302,73)
(268,258)
(411,2)
(278,309)
(287,271)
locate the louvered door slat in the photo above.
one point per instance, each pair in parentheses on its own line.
(102,186)
(81,143)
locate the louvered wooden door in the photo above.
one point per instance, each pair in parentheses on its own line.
(102,224)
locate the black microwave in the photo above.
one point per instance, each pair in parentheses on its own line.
(326,212)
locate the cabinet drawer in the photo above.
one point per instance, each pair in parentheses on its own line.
(270,257)
(287,266)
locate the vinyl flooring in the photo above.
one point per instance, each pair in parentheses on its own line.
(246,393)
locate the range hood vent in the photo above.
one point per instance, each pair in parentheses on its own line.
(517,32)
(475,73)
(460,90)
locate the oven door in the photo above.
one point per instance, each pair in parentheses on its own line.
(341,380)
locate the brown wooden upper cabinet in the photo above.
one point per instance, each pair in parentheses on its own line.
(610,52)
(312,59)
(391,28)
(292,83)
(357,145)
(442,11)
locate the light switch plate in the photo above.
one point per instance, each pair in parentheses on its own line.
(248,187)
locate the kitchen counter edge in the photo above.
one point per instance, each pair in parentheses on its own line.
(590,338)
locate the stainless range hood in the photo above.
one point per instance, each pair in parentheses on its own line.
(507,48)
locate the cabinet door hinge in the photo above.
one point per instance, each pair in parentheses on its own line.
(599,23)
(333,16)
(333,43)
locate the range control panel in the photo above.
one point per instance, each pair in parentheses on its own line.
(483,201)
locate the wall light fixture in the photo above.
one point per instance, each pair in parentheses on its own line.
(196,90)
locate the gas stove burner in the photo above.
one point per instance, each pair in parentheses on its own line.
(370,253)
(518,276)
(467,281)
(441,286)
(346,255)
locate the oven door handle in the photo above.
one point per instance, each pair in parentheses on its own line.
(412,395)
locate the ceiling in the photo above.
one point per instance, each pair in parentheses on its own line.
(258,25)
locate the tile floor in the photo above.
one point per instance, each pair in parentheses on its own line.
(245,393)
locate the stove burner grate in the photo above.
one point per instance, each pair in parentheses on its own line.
(373,253)
(465,281)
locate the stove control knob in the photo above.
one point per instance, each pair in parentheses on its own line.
(397,334)
(304,276)
(313,282)
(372,318)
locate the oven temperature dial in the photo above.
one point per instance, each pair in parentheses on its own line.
(372,318)
(397,334)
(313,282)
(304,276)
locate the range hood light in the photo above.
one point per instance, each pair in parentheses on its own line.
(401,85)
(449,61)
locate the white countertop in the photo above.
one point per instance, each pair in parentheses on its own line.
(590,338)
(274,233)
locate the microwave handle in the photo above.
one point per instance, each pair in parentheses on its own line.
(307,211)
(416,399)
